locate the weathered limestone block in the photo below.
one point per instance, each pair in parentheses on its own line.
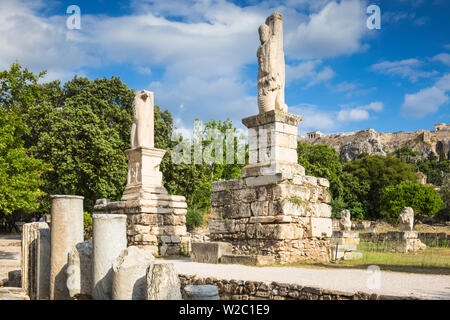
(66,232)
(227,185)
(79,271)
(319,210)
(109,240)
(221,226)
(163,282)
(30,258)
(321,227)
(345,223)
(287,169)
(201,292)
(210,252)
(406,219)
(129,274)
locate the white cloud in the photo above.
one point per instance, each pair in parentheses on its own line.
(337,29)
(351,115)
(444,82)
(427,100)
(327,121)
(314,118)
(359,113)
(202,47)
(408,68)
(308,72)
(39,43)
(375,106)
(443,58)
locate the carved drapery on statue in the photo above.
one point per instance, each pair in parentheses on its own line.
(271,72)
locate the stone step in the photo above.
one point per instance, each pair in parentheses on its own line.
(12,293)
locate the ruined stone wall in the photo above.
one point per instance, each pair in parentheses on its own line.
(158,225)
(287,217)
(254,290)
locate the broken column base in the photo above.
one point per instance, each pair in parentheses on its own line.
(405,241)
(346,243)
(155,221)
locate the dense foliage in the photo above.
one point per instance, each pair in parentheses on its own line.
(423,199)
(20,172)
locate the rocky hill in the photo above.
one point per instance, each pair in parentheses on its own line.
(421,143)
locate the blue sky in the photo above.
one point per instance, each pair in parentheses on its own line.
(199,57)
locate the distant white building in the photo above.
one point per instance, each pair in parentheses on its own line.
(313,135)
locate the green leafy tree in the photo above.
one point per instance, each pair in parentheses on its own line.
(423,199)
(321,161)
(375,173)
(434,169)
(20,173)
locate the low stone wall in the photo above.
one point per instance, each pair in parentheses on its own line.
(429,238)
(253,290)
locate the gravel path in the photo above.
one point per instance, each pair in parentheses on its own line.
(9,254)
(347,280)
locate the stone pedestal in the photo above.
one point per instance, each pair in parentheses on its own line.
(66,232)
(274,209)
(155,220)
(144,176)
(272,136)
(404,241)
(109,240)
(345,243)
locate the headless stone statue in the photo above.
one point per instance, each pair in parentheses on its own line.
(271,72)
(142,129)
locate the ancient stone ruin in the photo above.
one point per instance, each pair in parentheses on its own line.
(406,239)
(345,242)
(155,219)
(274,209)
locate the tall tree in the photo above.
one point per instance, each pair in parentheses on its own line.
(20,172)
(378,172)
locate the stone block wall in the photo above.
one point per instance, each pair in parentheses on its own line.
(254,290)
(285,215)
(157,224)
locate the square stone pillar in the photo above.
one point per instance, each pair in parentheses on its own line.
(272,144)
(155,219)
(144,176)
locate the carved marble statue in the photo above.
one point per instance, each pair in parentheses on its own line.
(406,219)
(345,224)
(142,129)
(271,72)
